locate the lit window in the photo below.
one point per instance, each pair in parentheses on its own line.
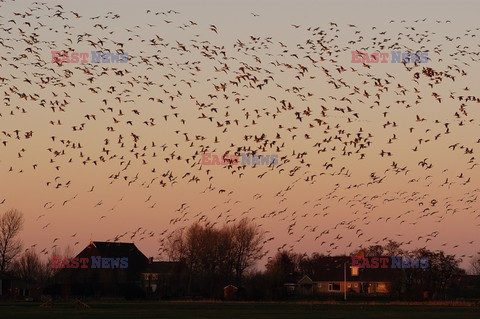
(354,271)
(382,287)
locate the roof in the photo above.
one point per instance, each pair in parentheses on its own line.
(230,287)
(137,261)
(114,249)
(136,258)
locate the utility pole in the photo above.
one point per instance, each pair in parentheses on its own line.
(345,281)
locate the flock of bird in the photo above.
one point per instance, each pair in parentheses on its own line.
(367,152)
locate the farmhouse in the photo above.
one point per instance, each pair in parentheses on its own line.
(335,275)
(143,276)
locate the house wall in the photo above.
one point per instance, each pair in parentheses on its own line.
(322,287)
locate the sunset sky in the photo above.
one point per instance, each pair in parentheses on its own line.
(367,152)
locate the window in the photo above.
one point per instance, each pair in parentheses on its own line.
(333,287)
(354,271)
(382,287)
(148,276)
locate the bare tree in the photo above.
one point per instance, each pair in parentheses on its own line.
(374,251)
(475,265)
(11,223)
(214,256)
(286,264)
(29,268)
(393,248)
(247,244)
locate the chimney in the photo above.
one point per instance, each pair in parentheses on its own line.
(361,254)
(150,260)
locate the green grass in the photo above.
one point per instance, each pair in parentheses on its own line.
(199,310)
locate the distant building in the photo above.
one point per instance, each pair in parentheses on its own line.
(159,278)
(334,275)
(230,292)
(12,287)
(142,277)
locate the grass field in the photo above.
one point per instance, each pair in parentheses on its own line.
(198,310)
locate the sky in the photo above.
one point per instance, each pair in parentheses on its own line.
(368,152)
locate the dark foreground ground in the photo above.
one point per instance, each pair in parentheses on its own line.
(198,310)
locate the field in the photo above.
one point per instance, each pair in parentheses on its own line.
(198,310)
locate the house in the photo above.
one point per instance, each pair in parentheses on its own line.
(11,286)
(158,278)
(113,269)
(334,275)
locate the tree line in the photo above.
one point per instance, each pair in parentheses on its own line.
(214,257)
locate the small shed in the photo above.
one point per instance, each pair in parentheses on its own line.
(230,292)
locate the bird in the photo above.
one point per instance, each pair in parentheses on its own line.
(110,132)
